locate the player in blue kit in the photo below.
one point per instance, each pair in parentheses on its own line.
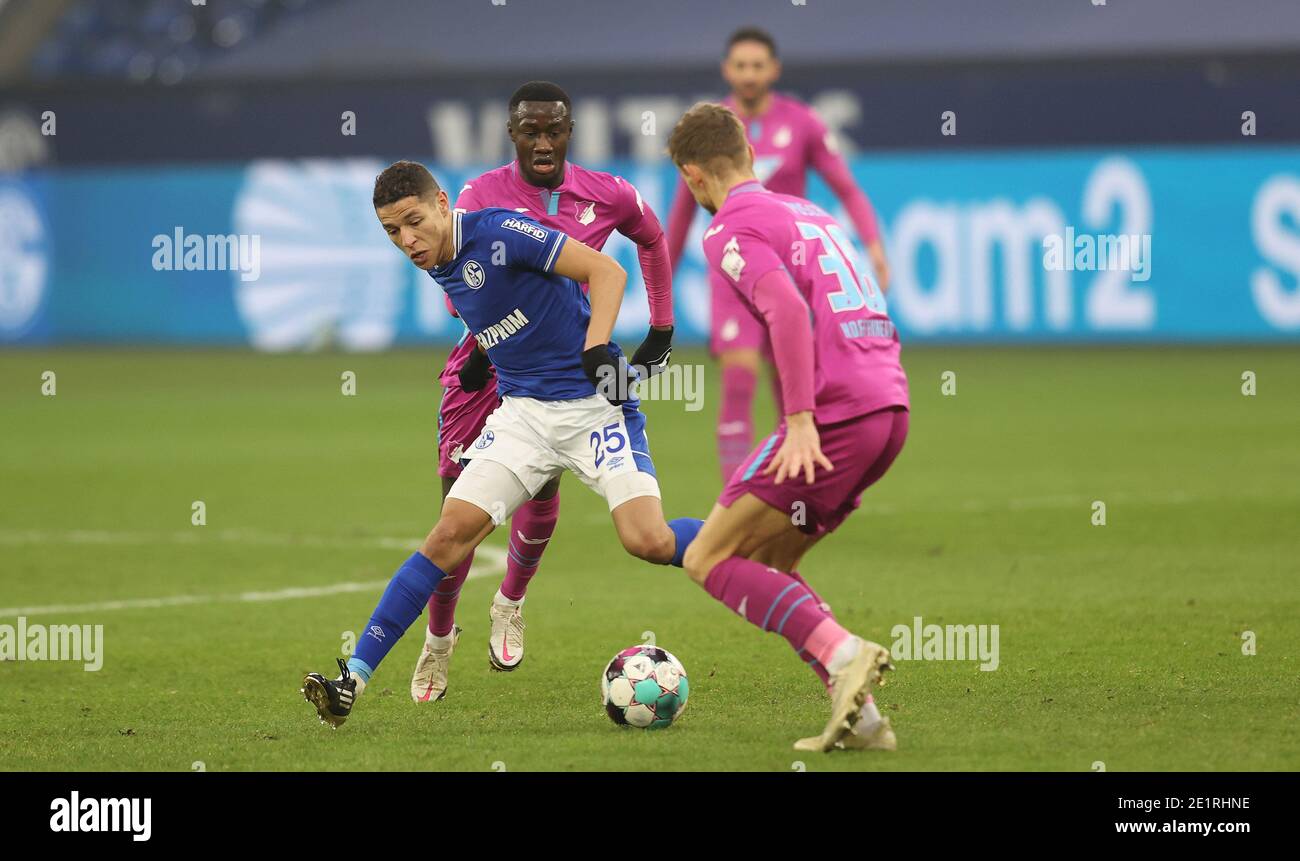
(565,401)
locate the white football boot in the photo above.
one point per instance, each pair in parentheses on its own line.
(506,639)
(429,684)
(879,735)
(849,689)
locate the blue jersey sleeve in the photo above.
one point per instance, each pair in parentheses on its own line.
(527,244)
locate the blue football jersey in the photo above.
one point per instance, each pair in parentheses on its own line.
(531,322)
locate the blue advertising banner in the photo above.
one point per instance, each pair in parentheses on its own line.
(1161,244)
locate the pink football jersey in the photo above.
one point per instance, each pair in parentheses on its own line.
(757,231)
(788,139)
(588,205)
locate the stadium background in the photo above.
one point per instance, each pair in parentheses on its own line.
(1035,395)
(227,118)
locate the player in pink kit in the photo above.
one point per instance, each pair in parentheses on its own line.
(845,414)
(788,139)
(588,206)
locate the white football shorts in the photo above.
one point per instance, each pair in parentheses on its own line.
(535,441)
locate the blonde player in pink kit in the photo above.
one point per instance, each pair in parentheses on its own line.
(845,414)
(788,140)
(588,206)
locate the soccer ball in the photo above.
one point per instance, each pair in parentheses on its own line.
(644,686)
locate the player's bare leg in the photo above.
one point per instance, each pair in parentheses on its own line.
(785,550)
(726,534)
(460,529)
(722,560)
(641,527)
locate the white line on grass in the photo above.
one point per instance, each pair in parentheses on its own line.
(200,535)
(488,561)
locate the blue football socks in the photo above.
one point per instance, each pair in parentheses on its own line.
(685,529)
(403,602)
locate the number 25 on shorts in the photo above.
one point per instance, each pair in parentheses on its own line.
(613,441)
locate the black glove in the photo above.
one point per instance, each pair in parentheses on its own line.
(475,372)
(652,356)
(612,378)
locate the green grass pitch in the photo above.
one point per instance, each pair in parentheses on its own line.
(1119,643)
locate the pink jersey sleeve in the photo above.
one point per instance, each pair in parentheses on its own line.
(832,167)
(679,222)
(742,256)
(657,272)
(791,335)
(642,227)
(639,223)
(747,261)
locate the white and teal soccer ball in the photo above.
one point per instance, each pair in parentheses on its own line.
(644,686)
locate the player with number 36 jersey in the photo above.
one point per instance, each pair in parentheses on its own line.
(789,141)
(845,415)
(758,232)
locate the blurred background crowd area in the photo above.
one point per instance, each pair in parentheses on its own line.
(1178,119)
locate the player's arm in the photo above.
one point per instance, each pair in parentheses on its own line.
(746,260)
(679,222)
(835,170)
(529,245)
(642,227)
(790,332)
(605,281)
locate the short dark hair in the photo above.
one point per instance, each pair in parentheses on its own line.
(404,179)
(708,135)
(539,91)
(752,34)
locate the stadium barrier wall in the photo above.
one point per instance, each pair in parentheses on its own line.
(1187,244)
(457,117)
